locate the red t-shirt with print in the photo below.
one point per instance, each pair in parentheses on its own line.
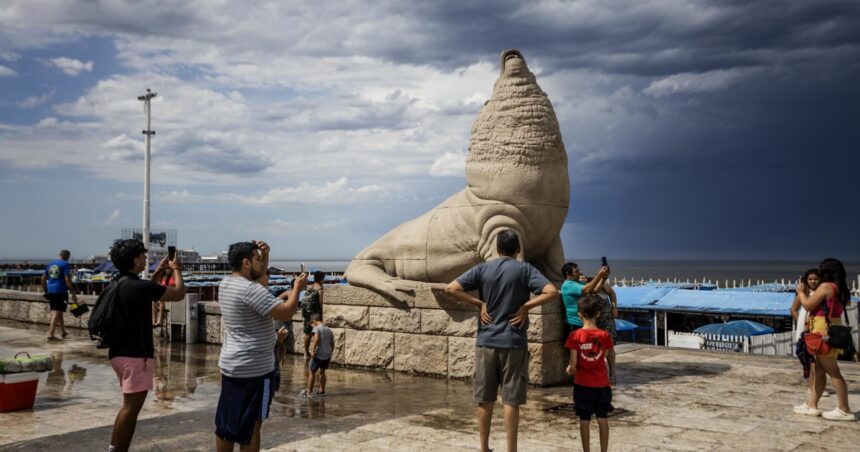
(591,346)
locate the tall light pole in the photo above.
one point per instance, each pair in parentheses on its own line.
(146,98)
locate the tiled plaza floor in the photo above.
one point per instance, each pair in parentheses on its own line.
(669,400)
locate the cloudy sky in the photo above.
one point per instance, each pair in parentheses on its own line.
(694,129)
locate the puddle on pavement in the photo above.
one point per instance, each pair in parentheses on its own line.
(187,379)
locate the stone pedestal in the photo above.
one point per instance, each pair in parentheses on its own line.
(431,333)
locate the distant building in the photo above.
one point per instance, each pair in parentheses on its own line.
(188,256)
(214,259)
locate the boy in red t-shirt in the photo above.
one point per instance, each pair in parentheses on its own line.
(592,394)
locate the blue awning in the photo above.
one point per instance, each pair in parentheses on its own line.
(705,301)
(736,328)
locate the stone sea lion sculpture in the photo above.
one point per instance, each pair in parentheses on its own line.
(516,174)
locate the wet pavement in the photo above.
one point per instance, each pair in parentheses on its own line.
(668,400)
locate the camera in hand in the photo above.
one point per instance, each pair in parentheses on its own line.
(171,253)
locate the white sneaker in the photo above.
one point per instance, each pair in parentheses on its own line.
(303,393)
(838,415)
(806,410)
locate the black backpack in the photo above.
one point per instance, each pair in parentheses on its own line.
(105,318)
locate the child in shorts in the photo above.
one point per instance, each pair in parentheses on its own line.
(321,348)
(592,393)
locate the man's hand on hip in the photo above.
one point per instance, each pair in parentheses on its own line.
(485,315)
(518,318)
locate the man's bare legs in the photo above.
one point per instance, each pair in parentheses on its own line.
(485,416)
(223,445)
(512,425)
(322,380)
(53,324)
(126,420)
(57,321)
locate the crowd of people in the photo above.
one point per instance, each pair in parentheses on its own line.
(256,324)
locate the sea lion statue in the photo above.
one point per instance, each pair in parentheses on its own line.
(516,174)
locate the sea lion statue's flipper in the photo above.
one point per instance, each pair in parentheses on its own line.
(371,275)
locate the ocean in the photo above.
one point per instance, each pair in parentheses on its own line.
(713,270)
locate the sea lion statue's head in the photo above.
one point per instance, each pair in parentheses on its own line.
(516,154)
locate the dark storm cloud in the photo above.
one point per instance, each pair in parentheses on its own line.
(739,120)
(629,37)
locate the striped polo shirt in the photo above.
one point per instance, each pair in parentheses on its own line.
(249,338)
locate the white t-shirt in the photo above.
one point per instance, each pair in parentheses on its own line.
(800,327)
(249,339)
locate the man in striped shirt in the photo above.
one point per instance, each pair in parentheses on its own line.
(247,360)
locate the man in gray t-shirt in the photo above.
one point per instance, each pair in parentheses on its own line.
(501,349)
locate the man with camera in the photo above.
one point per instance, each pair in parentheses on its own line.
(131,352)
(247,361)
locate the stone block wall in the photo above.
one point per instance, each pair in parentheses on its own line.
(33,307)
(430,334)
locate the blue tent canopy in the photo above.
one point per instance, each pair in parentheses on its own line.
(710,301)
(641,297)
(736,328)
(624,325)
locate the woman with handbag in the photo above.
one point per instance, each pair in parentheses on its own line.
(825,307)
(800,315)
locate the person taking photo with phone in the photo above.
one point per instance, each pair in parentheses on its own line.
(247,360)
(131,352)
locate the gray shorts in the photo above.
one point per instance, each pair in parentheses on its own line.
(508,367)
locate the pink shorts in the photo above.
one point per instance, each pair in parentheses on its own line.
(135,374)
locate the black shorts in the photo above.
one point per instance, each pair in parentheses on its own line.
(243,402)
(58,301)
(592,401)
(316,364)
